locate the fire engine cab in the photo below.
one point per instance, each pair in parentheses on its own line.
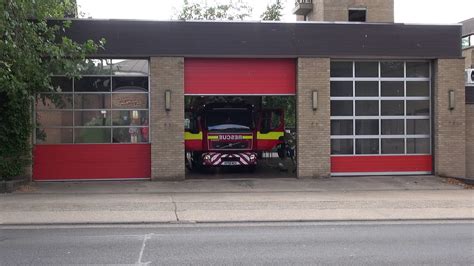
(230,134)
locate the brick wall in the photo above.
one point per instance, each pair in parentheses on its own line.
(317,14)
(449,125)
(313,127)
(337,10)
(469,55)
(470,140)
(167,127)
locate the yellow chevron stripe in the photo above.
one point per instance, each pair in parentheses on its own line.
(270,135)
(247,137)
(191,136)
(212,137)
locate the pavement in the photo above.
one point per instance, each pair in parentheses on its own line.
(238,200)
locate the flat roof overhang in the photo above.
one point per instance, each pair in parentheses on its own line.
(131,38)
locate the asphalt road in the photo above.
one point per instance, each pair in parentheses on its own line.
(358,243)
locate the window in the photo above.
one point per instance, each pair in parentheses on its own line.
(367,127)
(342,146)
(393,127)
(418,69)
(107,104)
(341,127)
(418,107)
(393,146)
(418,127)
(341,108)
(380,107)
(393,108)
(341,88)
(418,145)
(366,69)
(367,108)
(341,69)
(367,146)
(392,88)
(418,88)
(389,69)
(468,41)
(367,88)
(358,15)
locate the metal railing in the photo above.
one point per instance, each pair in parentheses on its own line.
(303,7)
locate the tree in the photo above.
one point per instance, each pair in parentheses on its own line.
(273,11)
(233,10)
(32,49)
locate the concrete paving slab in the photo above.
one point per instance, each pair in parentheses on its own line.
(235,207)
(324,215)
(460,195)
(255,184)
(351,198)
(85,217)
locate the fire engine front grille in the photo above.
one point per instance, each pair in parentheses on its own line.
(224,145)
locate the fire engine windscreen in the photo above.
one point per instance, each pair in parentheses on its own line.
(229,120)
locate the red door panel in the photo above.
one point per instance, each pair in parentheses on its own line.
(380,164)
(91,161)
(237,76)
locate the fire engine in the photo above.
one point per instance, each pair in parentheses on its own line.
(230,134)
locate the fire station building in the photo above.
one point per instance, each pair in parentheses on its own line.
(371,98)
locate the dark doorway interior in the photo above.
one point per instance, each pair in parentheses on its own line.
(260,129)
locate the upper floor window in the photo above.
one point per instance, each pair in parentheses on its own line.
(468,41)
(358,14)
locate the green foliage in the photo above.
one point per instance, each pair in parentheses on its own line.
(14,145)
(273,11)
(32,50)
(196,10)
(287,103)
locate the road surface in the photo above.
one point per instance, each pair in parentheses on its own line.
(351,243)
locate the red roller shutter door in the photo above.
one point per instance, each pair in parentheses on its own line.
(237,76)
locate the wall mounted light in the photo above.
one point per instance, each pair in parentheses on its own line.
(452,103)
(315,100)
(167,100)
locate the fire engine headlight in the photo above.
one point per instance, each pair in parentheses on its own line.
(253,157)
(207,157)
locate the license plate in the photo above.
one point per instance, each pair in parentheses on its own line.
(230,163)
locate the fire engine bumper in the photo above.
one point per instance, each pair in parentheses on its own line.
(229,159)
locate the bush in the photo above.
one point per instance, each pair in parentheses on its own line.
(15,132)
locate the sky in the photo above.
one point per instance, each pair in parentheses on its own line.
(406,11)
